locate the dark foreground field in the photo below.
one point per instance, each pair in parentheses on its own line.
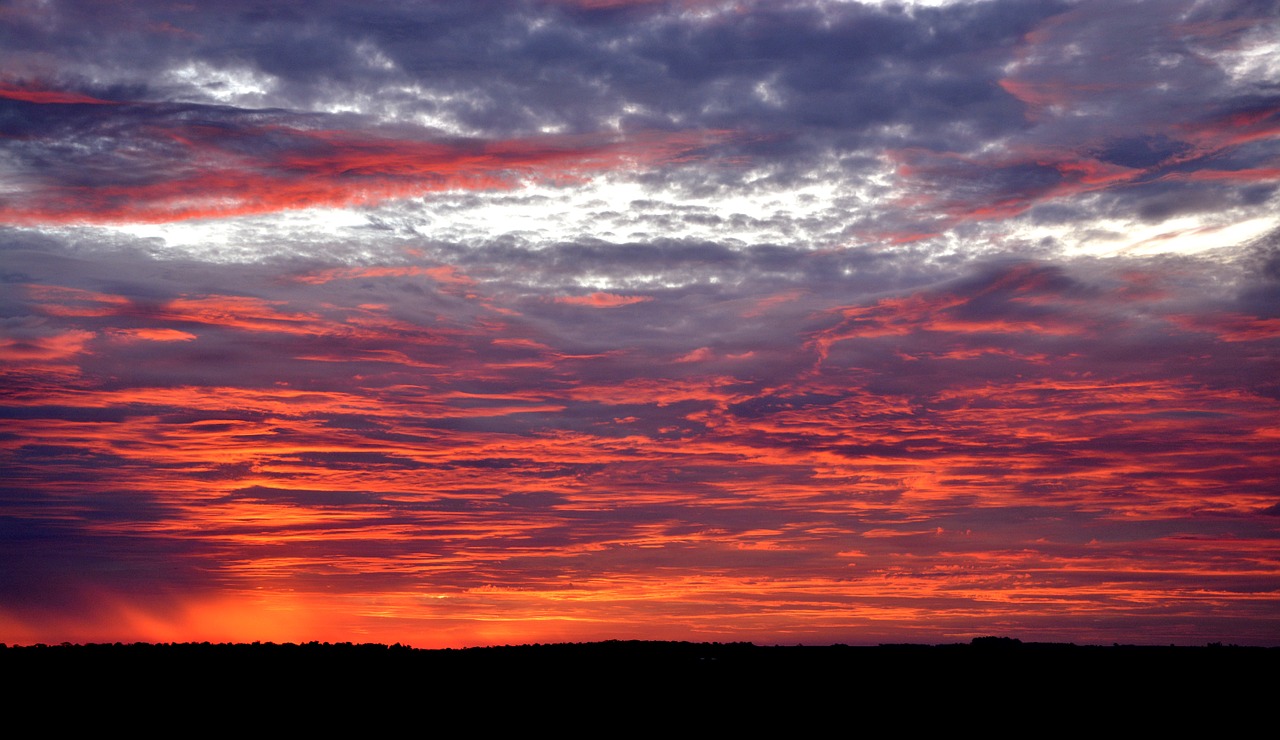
(646,684)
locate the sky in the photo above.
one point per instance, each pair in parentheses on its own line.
(499,322)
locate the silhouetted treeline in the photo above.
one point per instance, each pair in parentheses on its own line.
(645,680)
(626,653)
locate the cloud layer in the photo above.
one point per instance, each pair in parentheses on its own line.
(458,323)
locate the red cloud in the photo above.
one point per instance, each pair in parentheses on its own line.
(1233,129)
(217,172)
(945,314)
(48,97)
(1046,94)
(1230,327)
(932,178)
(602,300)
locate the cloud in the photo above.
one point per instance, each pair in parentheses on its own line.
(295,338)
(233,165)
(47,97)
(319,437)
(600,299)
(853,124)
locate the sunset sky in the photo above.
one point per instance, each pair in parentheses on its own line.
(488,322)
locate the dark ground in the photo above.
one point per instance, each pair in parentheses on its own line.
(991,682)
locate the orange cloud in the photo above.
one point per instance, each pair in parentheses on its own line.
(151,335)
(61,346)
(447,486)
(701,354)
